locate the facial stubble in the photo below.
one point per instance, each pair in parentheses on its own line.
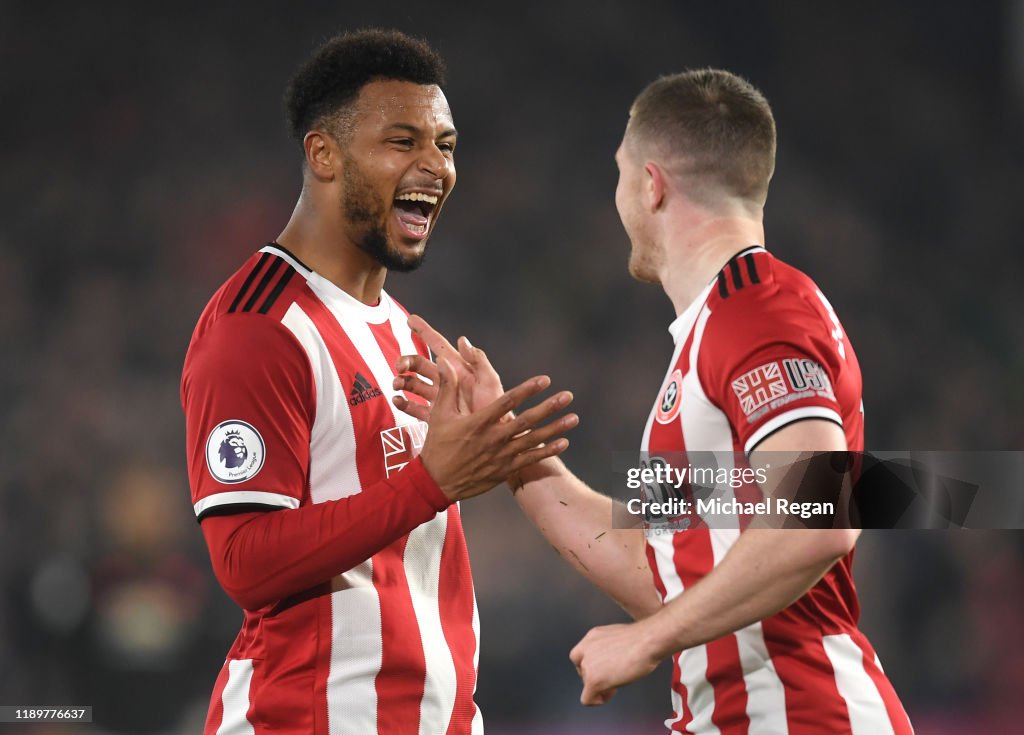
(363,209)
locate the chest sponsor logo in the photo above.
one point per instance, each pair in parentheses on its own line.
(669,400)
(235,452)
(402,444)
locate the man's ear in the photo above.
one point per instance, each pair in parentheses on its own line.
(321,154)
(654,186)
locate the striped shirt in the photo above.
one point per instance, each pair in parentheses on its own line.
(757,350)
(287,391)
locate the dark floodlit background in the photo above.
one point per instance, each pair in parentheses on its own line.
(143,157)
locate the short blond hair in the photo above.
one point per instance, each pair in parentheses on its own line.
(710,125)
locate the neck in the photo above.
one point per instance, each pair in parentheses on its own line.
(317,236)
(699,246)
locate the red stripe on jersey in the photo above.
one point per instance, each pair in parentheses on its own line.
(216,714)
(387,341)
(421,346)
(669,437)
(730,713)
(652,562)
(456,607)
(284,667)
(685,716)
(813,702)
(403,669)
(694,557)
(897,715)
(324,621)
(400,681)
(258,683)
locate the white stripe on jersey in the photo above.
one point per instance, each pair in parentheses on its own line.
(693,416)
(235,699)
(661,543)
(868,715)
(423,549)
(332,440)
(356,654)
(693,667)
(698,417)
(808,412)
(766,695)
(423,570)
(245,496)
(477,727)
(400,327)
(356,639)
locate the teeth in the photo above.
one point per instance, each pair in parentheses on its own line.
(415,196)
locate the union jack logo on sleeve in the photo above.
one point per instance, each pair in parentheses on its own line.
(760,385)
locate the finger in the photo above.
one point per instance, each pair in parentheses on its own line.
(576,655)
(540,437)
(512,398)
(533,456)
(417,364)
(590,695)
(467,350)
(448,387)
(431,337)
(416,386)
(476,357)
(414,409)
(542,411)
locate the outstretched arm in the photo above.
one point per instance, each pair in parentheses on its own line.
(261,558)
(764,571)
(575,519)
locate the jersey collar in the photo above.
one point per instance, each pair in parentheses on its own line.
(680,327)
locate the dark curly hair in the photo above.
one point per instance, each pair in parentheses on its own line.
(330,80)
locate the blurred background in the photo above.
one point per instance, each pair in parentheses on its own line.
(143,157)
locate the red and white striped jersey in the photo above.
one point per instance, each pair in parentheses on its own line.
(758,349)
(303,417)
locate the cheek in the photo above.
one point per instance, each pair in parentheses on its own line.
(620,199)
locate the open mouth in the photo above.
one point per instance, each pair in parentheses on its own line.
(414,211)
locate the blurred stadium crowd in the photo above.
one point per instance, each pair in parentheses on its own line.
(143,156)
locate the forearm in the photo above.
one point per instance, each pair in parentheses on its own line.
(260,558)
(577,522)
(765,571)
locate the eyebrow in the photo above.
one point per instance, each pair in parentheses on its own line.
(450,132)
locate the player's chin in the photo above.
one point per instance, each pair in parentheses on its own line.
(643,272)
(404,255)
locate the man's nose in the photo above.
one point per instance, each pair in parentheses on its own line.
(435,163)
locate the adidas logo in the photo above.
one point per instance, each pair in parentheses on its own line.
(362,390)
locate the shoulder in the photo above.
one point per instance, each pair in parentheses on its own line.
(241,328)
(266,284)
(756,298)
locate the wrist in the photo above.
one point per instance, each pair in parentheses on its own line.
(422,481)
(533,473)
(655,639)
